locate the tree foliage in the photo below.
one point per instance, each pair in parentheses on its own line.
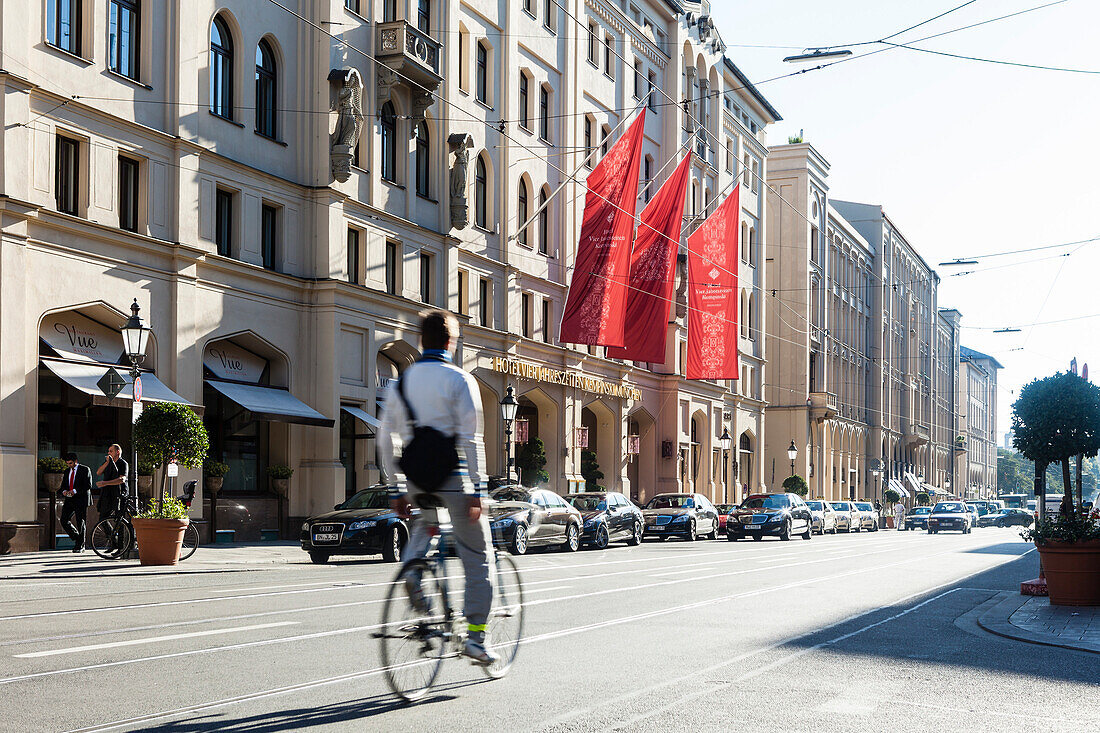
(796,485)
(891,496)
(590,470)
(165,430)
(531,460)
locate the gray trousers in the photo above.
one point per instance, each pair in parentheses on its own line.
(474,544)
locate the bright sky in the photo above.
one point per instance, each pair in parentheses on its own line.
(967,158)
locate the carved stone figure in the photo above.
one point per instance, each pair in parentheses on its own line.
(460,144)
(682,286)
(387,79)
(346,100)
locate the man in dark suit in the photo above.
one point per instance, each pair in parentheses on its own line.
(76,487)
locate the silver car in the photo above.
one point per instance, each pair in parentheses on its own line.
(847,516)
(824,517)
(868,516)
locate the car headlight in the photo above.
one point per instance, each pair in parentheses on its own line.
(362,524)
(681,518)
(591,522)
(505,522)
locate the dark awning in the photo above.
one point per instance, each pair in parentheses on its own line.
(85,378)
(363,416)
(271,403)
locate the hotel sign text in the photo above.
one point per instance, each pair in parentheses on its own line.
(528,370)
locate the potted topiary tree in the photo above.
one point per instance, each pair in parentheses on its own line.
(214,474)
(923,499)
(890,496)
(1056,419)
(166,430)
(53,472)
(280,478)
(590,471)
(531,460)
(796,485)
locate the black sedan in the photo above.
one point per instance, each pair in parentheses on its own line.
(1006,518)
(776,514)
(362,525)
(607,516)
(949,515)
(918,518)
(680,515)
(522,518)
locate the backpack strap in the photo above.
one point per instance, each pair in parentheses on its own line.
(405,401)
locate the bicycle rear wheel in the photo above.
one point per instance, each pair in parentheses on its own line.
(190,541)
(110,538)
(414,642)
(505,632)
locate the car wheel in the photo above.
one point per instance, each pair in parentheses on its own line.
(519,541)
(757,537)
(636,536)
(572,539)
(714,535)
(318,557)
(691,535)
(392,551)
(785,535)
(601,539)
(732,537)
(809,532)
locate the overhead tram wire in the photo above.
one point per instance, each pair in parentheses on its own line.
(999,62)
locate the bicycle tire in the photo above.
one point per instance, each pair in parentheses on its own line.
(111,538)
(413,643)
(505,632)
(190,541)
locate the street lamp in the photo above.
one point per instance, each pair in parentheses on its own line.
(508,409)
(726,442)
(135,338)
(792,453)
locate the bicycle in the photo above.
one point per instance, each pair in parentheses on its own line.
(113,536)
(191,534)
(414,644)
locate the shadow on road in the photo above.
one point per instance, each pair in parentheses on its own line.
(1004,548)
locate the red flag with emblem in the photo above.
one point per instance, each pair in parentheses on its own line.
(712,294)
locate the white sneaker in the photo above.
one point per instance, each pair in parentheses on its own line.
(478,654)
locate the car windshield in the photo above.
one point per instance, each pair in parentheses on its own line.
(771,501)
(511,493)
(367,500)
(841,506)
(816,506)
(671,501)
(588,502)
(922,510)
(724,508)
(865,507)
(948,507)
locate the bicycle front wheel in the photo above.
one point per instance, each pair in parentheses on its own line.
(505,632)
(414,641)
(190,541)
(110,538)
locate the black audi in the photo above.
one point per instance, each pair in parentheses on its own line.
(777,514)
(949,515)
(362,525)
(680,515)
(522,518)
(607,516)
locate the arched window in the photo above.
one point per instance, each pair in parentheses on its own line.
(423,159)
(481,83)
(389,142)
(266,90)
(221,69)
(481,193)
(521,213)
(544,222)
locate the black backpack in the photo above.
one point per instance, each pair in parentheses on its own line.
(430,458)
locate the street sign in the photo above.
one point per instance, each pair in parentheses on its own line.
(137,389)
(111,383)
(173,470)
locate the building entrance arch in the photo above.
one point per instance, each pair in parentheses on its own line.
(600,422)
(542,415)
(642,467)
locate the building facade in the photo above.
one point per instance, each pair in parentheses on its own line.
(978,422)
(283,203)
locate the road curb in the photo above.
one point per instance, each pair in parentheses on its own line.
(996,621)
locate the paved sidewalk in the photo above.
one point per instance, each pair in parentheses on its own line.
(1035,620)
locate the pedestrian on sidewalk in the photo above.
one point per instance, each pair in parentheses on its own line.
(899,515)
(113,483)
(77,490)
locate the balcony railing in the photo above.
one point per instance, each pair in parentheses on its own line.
(411,52)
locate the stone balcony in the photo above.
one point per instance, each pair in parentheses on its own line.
(822,405)
(411,58)
(914,434)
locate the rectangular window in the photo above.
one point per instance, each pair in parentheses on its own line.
(463,293)
(651,96)
(593,41)
(731,155)
(463,46)
(63,24)
(424,16)
(647,177)
(544,113)
(124,32)
(755,176)
(529,7)
(524,102)
(127,193)
(352,5)
(353,255)
(389,10)
(589,148)
(269,232)
(637,78)
(746,177)
(549,13)
(608,68)
(68,175)
(425,278)
(223,222)
(544,224)
(482,81)
(546,325)
(393,257)
(485,302)
(526,326)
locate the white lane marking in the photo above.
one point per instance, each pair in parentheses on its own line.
(275,587)
(152,640)
(686,572)
(41,585)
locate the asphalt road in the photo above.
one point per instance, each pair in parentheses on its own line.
(853,632)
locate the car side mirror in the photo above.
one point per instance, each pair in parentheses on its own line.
(337,506)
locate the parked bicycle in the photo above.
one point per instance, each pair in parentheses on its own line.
(414,644)
(113,536)
(191,534)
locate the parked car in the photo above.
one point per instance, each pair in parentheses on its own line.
(682,515)
(918,518)
(362,525)
(522,518)
(972,510)
(776,514)
(847,516)
(1007,518)
(868,516)
(608,516)
(723,514)
(949,515)
(822,517)
(996,505)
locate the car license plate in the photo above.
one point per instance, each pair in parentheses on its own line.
(328,537)
(754,526)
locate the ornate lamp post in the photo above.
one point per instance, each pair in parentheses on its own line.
(726,441)
(792,453)
(135,339)
(508,409)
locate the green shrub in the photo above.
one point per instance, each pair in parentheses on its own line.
(891,496)
(214,469)
(52,464)
(796,485)
(168,508)
(278,471)
(923,499)
(531,460)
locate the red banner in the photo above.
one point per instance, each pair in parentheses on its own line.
(652,271)
(712,294)
(596,306)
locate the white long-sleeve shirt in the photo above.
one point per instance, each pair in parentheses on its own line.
(443,397)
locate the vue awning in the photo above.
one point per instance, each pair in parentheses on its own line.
(85,378)
(271,403)
(363,416)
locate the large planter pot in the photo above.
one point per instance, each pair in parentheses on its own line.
(281,486)
(1072,571)
(214,484)
(53,481)
(159,540)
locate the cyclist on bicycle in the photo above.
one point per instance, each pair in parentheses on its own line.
(442,396)
(113,487)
